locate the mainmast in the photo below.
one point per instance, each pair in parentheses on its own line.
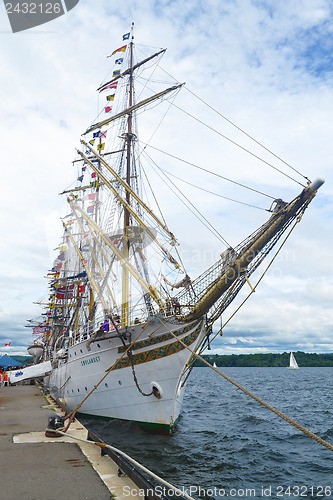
(126,242)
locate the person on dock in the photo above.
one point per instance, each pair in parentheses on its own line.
(6,379)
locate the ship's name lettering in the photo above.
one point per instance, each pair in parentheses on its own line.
(96,359)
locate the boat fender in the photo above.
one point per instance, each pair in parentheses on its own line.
(55,422)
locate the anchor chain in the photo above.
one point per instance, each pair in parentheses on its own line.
(130,355)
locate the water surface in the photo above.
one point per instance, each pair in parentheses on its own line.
(229,445)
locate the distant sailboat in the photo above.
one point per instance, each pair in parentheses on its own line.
(292,363)
(214,365)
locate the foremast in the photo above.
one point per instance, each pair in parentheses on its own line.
(129,137)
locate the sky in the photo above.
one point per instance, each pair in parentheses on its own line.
(265,65)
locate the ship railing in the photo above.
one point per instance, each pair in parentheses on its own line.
(138,315)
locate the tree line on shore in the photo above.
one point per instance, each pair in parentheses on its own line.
(304,359)
(260,360)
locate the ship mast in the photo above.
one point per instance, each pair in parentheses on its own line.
(126,243)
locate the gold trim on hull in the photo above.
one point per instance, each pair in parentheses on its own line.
(160,352)
(156,340)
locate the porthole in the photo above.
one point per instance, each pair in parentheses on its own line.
(119,382)
(106,385)
(98,346)
(78,390)
(81,351)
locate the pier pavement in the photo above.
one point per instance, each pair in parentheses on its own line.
(33,467)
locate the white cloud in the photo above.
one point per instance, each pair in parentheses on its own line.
(265,65)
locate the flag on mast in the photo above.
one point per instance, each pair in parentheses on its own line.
(121,49)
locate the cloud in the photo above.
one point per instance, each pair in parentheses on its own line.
(264,65)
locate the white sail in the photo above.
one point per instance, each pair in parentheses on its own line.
(292,363)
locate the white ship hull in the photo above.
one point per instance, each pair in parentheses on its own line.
(158,361)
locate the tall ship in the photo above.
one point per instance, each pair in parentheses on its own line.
(123,319)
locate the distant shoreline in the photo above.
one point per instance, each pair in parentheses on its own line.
(304,359)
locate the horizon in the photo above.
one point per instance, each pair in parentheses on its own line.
(209,353)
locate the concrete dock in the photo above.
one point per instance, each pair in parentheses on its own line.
(33,467)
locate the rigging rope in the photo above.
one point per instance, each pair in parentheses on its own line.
(215,194)
(209,226)
(247,135)
(153,194)
(209,171)
(238,145)
(253,289)
(243,132)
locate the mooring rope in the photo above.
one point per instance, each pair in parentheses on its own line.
(253,396)
(63,385)
(177,491)
(72,413)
